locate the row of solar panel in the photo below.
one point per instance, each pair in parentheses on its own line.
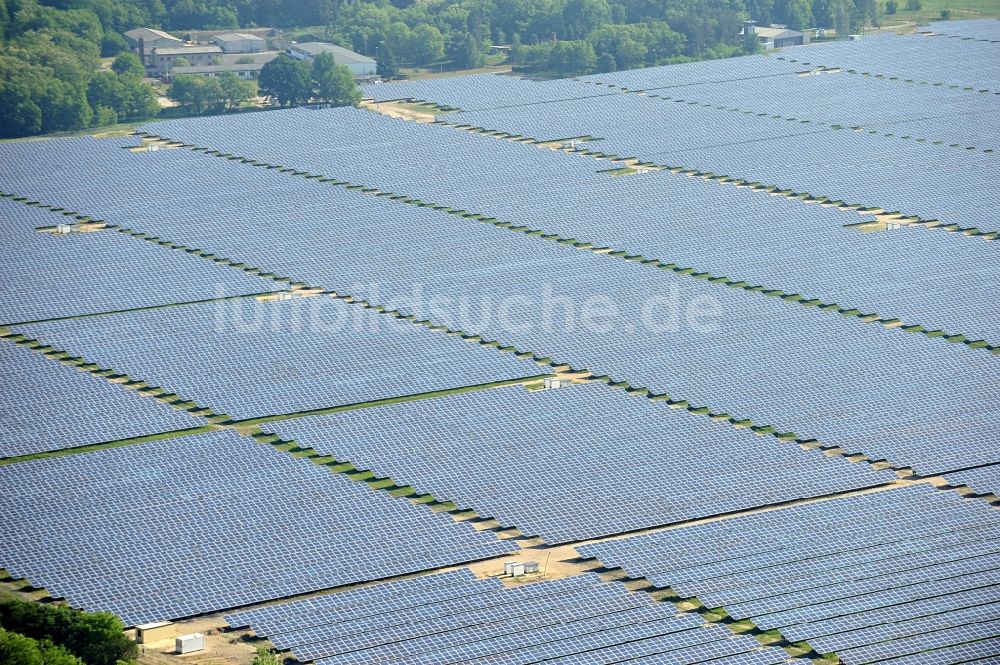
(780,243)
(937,183)
(284,357)
(988,29)
(456,618)
(209,522)
(869,577)
(924,60)
(574,463)
(602,315)
(49,275)
(515,266)
(525,274)
(963,119)
(981,480)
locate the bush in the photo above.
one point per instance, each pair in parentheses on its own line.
(913,5)
(891,6)
(265,657)
(95,638)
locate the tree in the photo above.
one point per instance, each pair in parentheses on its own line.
(891,6)
(17,649)
(572,57)
(128,63)
(464,52)
(20,115)
(96,638)
(760,11)
(840,11)
(426,44)
(796,14)
(127,95)
(606,63)
(582,16)
(388,66)
(236,91)
(200,93)
(334,83)
(286,80)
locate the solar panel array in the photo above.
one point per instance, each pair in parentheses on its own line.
(873,577)
(454,617)
(524,274)
(982,480)
(899,109)
(574,463)
(908,399)
(932,279)
(203,522)
(924,60)
(324,235)
(950,185)
(48,276)
(988,29)
(714,71)
(48,406)
(480,91)
(249,359)
(209,522)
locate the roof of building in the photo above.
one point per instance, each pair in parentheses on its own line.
(261,57)
(188,50)
(148,34)
(340,54)
(777,33)
(217,69)
(237,37)
(230,64)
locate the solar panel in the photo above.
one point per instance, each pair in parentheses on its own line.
(207,522)
(922,179)
(424,264)
(573,463)
(919,277)
(49,275)
(983,480)
(250,359)
(979,29)
(867,599)
(922,60)
(47,406)
(575,620)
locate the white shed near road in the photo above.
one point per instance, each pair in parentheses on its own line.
(189,643)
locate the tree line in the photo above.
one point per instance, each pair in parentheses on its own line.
(51,77)
(560,37)
(40,634)
(285,80)
(50,68)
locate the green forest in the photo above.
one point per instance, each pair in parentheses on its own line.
(40,634)
(56,72)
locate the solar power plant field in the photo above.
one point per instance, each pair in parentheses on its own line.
(869,578)
(688,364)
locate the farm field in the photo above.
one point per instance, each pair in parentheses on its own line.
(687,364)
